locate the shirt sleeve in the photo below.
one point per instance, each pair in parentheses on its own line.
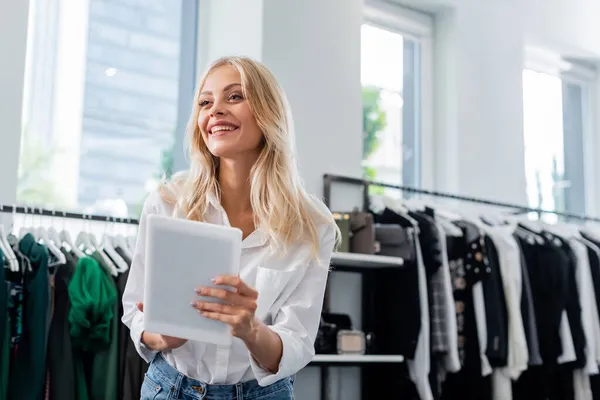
(134,289)
(297,321)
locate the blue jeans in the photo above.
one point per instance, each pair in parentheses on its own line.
(163,382)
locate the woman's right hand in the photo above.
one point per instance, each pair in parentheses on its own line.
(158,342)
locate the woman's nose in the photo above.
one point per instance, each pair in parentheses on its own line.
(217,109)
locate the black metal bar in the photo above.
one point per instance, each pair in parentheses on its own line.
(15,209)
(329,179)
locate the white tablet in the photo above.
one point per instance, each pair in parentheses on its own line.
(180,256)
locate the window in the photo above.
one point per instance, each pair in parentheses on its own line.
(105,83)
(391,94)
(555,110)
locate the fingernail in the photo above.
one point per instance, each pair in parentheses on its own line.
(213,280)
(193,303)
(198,290)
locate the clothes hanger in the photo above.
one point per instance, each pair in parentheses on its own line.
(53,233)
(11,258)
(84,241)
(120,241)
(107,246)
(24,229)
(65,239)
(50,245)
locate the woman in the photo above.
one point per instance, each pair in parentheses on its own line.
(242,174)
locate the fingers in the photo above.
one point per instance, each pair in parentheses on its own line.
(236,282)
(140,306)
(228,297)
(215,307)
(228,319)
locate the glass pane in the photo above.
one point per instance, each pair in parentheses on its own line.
(543,134)
(573,117)
(101,102)
(390,92)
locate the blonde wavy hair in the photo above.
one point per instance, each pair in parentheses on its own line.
(281,206)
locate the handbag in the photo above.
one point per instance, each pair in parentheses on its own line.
(362,228)
(342,219)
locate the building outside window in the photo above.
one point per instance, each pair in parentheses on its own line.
(107,84)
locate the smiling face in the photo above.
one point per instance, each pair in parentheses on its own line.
(225,119)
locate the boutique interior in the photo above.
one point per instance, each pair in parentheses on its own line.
(455,142)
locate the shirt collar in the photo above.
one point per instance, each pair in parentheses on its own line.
(255,239)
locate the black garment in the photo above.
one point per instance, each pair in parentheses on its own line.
(551,277)
(429,241)
(594,268)
(545,382)
(573,305)
(528,314)
(396,332)
(431,250)
(28,373)
(547,266)
(495,309)
(61,367)
(468,266)
(4,346)
(132,367)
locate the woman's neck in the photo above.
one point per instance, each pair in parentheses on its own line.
(234,183)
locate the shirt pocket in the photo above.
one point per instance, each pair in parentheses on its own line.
(273,286)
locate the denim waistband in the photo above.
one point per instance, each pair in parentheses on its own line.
(175,381)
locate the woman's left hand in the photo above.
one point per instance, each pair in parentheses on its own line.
(238,308)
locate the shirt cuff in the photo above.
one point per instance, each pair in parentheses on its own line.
(137,328)
(294,357)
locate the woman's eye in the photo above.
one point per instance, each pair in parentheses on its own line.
(204,103)
(235,96)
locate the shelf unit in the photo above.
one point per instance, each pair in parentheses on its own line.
(358,263)
(355,359)
(343,261)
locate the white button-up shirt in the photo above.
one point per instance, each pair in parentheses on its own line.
(291,289)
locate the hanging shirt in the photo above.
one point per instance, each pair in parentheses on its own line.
(291,290)
(28,373)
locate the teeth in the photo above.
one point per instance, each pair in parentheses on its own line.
(222,128)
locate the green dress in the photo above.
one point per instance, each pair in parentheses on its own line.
(91,325)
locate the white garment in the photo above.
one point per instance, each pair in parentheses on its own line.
(582,388)
(291,290)
(566,341)
(595,315)
(418,369)
(480,320)
(509,257)
(451,358)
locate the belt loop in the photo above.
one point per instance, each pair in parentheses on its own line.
(239,391)
(176,388)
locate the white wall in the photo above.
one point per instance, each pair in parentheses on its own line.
(479,115)
(479,57)
(318,67)
(13,38)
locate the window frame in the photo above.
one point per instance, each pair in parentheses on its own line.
(417,26)
(585,75)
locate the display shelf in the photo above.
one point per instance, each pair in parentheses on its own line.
(331,359)
(357,261)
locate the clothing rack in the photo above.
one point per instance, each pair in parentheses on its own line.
(329,179)
(16,209)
